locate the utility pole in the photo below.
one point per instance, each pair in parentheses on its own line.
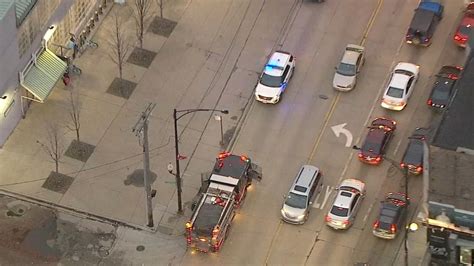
(142,127)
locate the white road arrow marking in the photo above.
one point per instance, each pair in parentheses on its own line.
(338,129)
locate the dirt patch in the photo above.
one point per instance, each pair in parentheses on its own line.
(58,182)
(79,150)
(141,57)
(162,26)
(122,88)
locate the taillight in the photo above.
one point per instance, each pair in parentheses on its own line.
(457,37)
(378,159)
(419,169)
(429,102)
(360,155)
(402,165)
(453,76)
(393,228)
(328,219)
(346,222)
(376,224)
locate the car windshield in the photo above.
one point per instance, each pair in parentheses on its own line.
(346,69)
(414,153)
(386,218)
(339,211)
(441,93)
(271,81)
(296,200)
(395,92)
(465,30)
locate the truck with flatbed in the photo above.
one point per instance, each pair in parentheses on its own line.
(220,195)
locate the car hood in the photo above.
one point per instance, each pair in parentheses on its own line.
(343,81)
(291,211)
(267,91)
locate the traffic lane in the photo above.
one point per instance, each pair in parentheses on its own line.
(265,33)
(292,246)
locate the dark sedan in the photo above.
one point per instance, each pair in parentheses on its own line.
(380,132)
(413,156)
(443,86)
(392,216)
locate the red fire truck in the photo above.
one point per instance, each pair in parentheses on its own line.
(221,194)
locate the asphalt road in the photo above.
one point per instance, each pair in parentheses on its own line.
(297,130)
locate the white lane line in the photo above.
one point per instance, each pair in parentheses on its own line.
(316,204)
(368,212)
(396,148)
(326,196)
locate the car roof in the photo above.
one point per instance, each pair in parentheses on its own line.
(375,136)
(277,63)
(414,152)
(350,57)
(422,20)
(305,176)
(344,199)
(399,80)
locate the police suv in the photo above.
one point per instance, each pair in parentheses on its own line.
(275,77)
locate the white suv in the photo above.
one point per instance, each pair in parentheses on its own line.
(275,76)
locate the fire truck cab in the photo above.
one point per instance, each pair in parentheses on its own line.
(219,197)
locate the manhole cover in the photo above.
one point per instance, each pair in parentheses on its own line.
(324,97)
(140,248)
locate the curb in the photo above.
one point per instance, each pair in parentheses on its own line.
(75,212)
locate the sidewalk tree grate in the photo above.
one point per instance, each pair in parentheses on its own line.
(58,182)
(136,178)
(162,26)
(121,88)
(141,57)
(79,150)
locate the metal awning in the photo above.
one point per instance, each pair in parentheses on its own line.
(41,74)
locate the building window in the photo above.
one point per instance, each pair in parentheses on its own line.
(465,256)
(34,23)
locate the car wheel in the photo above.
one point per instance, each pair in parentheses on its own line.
(292,72)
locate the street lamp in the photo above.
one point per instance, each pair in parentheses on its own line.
(176,117)
(404,170)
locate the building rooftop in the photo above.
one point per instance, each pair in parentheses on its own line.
(451,178)
(456,131)
(4,7)
(22,8)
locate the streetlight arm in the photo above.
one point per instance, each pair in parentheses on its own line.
(188,111)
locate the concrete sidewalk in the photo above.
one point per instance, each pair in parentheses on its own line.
(191,69)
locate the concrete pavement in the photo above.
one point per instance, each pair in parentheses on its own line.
(194,68)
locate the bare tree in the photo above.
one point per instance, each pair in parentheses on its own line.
(74,113)
(119,44)
(159,3)
(54,145)
(140,13)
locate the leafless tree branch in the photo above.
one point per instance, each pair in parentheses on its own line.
(119,44)
(54,146)
(140,13)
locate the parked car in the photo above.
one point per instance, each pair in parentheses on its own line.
(349,197)
(380,132)
(275,77)
(443,86)
(401,86)
(298,202)
(345,78)
(424,22)
(413,156)
(462,32)
(392,216)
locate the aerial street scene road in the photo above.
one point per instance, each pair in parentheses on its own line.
(236,132)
